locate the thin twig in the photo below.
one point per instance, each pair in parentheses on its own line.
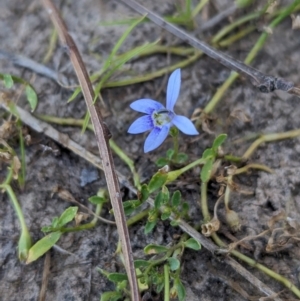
(102,137)
(263,82)
(222,275)
(25,62)
(67,196)
(45,277)
(217,19)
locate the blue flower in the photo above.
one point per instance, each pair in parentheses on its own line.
(159,119)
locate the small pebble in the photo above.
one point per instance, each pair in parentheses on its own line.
(88,175)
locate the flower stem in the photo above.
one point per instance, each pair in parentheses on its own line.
(269,138)
(227,193)
(173,175)
(86,226)
(235,159)
(9,176)
(25,239)
(253,166)
(22,174)
(259,266)
(167,283)
(134,219)
(204,208)
(143,78)
(175,134)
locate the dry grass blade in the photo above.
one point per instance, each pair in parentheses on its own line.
(102,141)
(46,271)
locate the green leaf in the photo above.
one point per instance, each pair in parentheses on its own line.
(42,246)
(118,63)
(176,199)
(131,203)
(117,277)
(162,162)
(208,154)
(243,3)
(174,263)
(182,157)
(46,229)
(103,272)
(158,202)
(174,223)
(16,79)
(155,249)
(8,80)
(150,226)
(144,193)
(97,200)
(156,277)
(192,243)
(54,222)
(67,216)
(166,194)
(219,141)
(74,95)
(24,245)
(31,97)
(86,122)
(180,290)
(121,41)
(159,287)
(152,215)
(119,22)
(185,208)
(206,171)
(140,263)
(128,211)
(111,296)
(188,8)
(157,181)
(77,91)
(142,281)
(165,215)
(170,153)
(130,206)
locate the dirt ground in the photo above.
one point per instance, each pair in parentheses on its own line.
(25,29)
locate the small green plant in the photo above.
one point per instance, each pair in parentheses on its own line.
(163,274)
(156,273)
(59,226)
(161,265)
(9,158)
(31,96)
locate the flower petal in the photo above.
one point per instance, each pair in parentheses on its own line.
(156,138)
(173,89)
(184,125)
(141,125)
(146,105)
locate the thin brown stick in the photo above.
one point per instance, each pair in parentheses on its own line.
(46,270)
(102,141)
